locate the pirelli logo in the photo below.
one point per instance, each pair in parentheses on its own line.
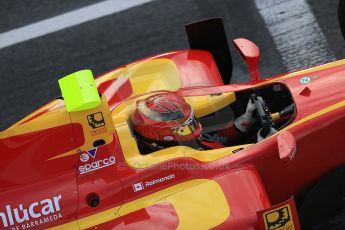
(280,217)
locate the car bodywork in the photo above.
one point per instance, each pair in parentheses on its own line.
(80,170)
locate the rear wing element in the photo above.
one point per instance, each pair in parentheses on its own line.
(210,35)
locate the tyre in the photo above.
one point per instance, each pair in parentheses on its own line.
(322,206)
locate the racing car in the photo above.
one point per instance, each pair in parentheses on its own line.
(79,162)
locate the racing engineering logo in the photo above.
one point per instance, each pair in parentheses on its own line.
(279,219)
(142,185)
(96,120)
(32,215)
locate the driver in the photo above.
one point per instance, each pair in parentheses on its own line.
(166,119)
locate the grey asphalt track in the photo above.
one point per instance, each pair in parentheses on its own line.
(29,70)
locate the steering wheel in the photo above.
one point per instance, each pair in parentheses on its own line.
(264,114)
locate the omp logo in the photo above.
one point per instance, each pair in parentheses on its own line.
(279,218)
(141,185)
(98,164)
(32,215)
(96,120)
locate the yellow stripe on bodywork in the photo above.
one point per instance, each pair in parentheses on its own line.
(207,104)
(317,114)
(311,116)
(200,207)
(188,199)
(202,106)
(153,75)
(68,226)
(147,76)
(66,154)
(136,160)
(51,119)
(304,71)
(129,207)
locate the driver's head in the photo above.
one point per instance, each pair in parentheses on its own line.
(163,119)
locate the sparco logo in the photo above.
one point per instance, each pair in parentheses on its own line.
(97,165)
(141,185)
(33,215)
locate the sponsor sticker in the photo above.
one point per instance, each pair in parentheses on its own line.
(305,80)
(142,185)
(237,150)
(168,138)
(98,164)
(280,217)
(92,164)
(84,157)
(96,120)
(33,215)
(99,131)
(92,152)
(138,186)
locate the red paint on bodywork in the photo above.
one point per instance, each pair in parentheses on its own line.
(116,90)
(251,55)
(104,182)
(31,152)
(196,67)
(243,188)
(147,218)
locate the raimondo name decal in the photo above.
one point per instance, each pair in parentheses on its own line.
(31,216)
(142,185)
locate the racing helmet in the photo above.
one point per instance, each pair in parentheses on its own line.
(164,119)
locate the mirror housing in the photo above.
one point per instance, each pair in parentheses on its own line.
(250,53)
(286,146)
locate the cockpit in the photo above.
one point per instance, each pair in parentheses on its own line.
(274,109)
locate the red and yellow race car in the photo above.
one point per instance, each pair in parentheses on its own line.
(151,145)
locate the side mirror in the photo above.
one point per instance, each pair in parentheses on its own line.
(286,146)
(250,53)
